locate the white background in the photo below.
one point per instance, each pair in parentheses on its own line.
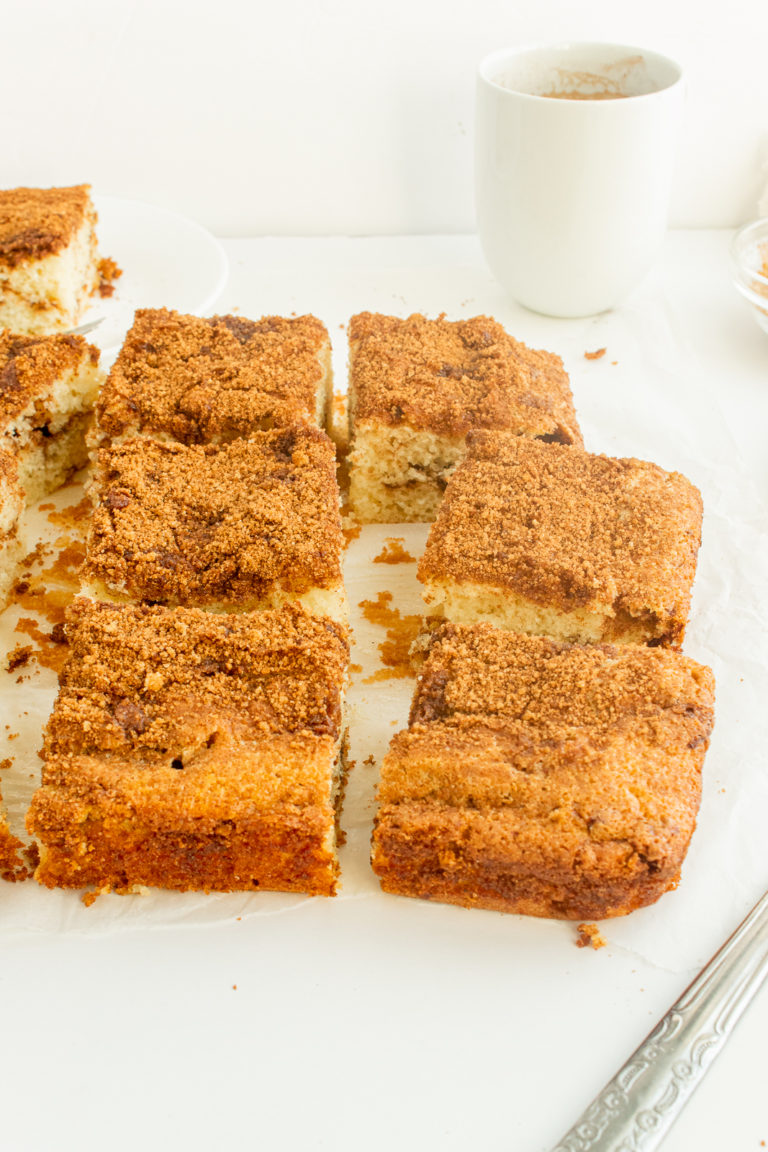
(340,117)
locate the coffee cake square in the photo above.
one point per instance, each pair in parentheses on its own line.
(417,387)
(49,266)
(48,385)
(544,778)
(231,527)
(552,540)
(189,750)
(209,381)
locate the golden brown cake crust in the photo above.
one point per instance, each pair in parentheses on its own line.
(449,377)
(38,222)
(211,380)
(190,750)
(573,794)
(225,524)
(29,366)
(568,529)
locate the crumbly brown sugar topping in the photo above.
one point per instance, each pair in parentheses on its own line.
(193,524)
(37,222)
(211,380)
(153,678)
(9,474)
(566,528)
(451,376)
(481,673)
(29,365)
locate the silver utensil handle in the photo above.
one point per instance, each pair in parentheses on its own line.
(639,1105)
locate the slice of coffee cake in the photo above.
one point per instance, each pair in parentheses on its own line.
(209,381)
(550,539)
(49,266)
(230,527)
(189,750)
(48,385)
(544,778)
(418,386)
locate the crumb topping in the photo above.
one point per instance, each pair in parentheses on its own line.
(37,222)
(195,524)
(30,365)
(448,377)
(566,528)
(151,680)
(211,380)
(589,936)
(109,271)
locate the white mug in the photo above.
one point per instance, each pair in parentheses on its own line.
(574,156)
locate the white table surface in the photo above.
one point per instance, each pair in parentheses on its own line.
(371,1022)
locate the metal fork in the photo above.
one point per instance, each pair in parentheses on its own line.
(84,328)
(636,1109)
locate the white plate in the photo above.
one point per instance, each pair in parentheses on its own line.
(168,261)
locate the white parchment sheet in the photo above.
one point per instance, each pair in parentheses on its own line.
(655,395)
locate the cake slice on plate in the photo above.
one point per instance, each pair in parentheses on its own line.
(49,264)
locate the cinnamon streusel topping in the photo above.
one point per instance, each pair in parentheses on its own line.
(448,377)
(211,380)
(198,524)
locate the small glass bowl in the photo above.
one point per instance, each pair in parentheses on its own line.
(749,263)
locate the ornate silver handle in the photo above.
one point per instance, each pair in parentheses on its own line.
(640,1104)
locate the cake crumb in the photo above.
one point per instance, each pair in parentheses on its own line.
(393,552)
(596,355)
(589,935)
(354,668)
(370,760)
(234,987)
(395,650)
(19,656)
